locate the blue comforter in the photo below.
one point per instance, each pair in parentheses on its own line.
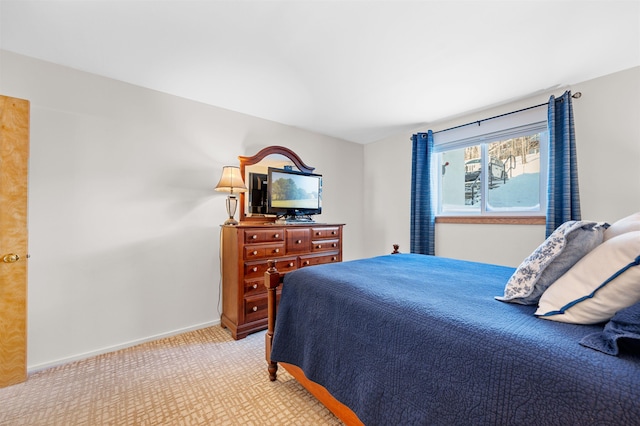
(410,339)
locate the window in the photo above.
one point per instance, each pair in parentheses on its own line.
(512,151)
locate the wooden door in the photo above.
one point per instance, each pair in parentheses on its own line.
(14,156)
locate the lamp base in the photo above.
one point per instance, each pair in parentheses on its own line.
(230,221)
(232,204)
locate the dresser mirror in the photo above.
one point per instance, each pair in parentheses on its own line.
(254,170)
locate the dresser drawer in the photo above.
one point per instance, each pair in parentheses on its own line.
(286,264)
(325,232)
(255,269)
(255,308)
(255,251)
(324,245)
(258,268)
(254,286)
(298,240)
(263,235)
(318,260)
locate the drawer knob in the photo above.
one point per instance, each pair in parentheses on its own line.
(319,246)
(298,241)
(334,258)
(253,237)
(306,262)
(254,309)
(318,233)
(254,269)
(290,264)
(255,286)
(255,252)
(334,245)
(333,232)
(276,236)
(276,251)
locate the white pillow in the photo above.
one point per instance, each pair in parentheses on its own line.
(603,282)
(555,256)
(626,224)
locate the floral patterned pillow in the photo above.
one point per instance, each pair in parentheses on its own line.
(569,243)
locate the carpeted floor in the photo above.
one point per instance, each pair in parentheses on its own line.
(203,377)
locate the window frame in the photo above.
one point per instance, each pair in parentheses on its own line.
(500,128)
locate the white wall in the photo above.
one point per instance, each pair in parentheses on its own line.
(124,222)
(607,122)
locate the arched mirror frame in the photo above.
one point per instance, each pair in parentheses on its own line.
(261,155)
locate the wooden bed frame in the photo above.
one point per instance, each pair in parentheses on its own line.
(272,280)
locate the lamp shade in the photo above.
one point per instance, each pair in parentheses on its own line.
(231,180)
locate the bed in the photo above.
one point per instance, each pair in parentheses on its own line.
(415,339)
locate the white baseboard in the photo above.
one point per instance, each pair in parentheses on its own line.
(78,357)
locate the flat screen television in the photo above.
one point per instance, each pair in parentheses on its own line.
(293,194)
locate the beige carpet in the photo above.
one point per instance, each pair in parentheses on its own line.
(202,377)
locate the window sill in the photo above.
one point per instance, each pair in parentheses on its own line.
(501,220)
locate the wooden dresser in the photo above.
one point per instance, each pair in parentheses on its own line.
(246,248)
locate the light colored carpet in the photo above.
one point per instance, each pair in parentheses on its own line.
(203,377)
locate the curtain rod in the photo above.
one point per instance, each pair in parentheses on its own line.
(575,96)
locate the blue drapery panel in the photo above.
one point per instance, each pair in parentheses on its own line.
(422,208)
(563,200)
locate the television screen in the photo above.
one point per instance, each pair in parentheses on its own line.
(294,193)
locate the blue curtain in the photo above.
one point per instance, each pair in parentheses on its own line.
(563,200)
(422,214)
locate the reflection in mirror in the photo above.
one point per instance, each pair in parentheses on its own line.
(255,201)
(254,169)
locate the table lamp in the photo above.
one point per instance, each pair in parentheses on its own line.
(231,182)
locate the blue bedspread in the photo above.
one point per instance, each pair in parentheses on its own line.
(410,339)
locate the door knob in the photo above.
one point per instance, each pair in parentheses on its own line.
(10,258)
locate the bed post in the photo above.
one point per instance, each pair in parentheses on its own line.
(271,281)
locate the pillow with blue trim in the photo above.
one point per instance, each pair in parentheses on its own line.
(556,255)
(602,283)
(622,332)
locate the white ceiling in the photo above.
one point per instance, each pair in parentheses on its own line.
(357,70)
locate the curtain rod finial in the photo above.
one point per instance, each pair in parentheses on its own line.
(576,95)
